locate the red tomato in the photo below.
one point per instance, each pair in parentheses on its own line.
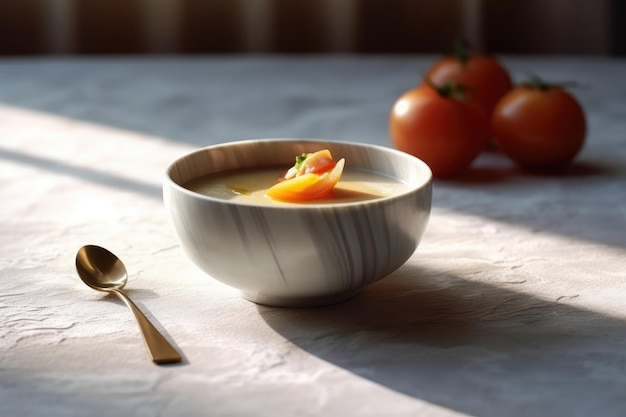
(446,132)
(482,74)
(541,127)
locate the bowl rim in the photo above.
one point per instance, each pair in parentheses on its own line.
(427,181)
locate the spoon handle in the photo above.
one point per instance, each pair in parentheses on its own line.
(159,348)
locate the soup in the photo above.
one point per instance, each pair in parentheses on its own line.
(250,185)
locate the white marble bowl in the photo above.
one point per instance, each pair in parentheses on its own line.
(298,255)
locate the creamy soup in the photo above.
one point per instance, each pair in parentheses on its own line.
(250,185)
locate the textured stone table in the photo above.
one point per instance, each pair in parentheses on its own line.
(513,305)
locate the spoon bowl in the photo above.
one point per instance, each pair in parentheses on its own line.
(100,269)
(103,271)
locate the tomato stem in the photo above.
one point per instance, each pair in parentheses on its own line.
(449,89)
(461,49)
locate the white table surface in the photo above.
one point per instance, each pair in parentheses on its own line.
(513,305)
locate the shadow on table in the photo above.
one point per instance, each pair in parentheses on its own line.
(584,201)
(495,168)
(473,347)
(88,174)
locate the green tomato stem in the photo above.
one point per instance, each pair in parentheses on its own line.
(461,51)
(449,89)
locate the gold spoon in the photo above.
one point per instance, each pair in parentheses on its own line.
(103,271)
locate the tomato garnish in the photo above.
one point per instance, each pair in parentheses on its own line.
(313,176)
(307,163)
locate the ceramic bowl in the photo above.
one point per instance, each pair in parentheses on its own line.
(298,255)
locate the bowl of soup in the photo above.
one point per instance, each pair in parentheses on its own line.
(305,253)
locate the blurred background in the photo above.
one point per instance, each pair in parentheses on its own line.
(30,27)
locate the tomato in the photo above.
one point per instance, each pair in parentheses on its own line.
(540,126)
(484,75)
(440,127)
(313,176)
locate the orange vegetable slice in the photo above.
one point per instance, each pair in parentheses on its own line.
(307,186)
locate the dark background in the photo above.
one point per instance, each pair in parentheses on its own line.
(310,26)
